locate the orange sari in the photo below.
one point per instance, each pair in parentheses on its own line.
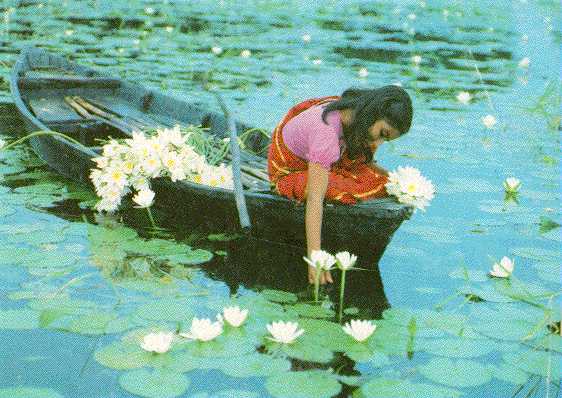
(349,180)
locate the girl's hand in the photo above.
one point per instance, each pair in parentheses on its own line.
(325,276)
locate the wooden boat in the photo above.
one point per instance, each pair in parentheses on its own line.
(52,93)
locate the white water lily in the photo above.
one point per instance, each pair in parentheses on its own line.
(489,121)
(321,259)
(359,330)
(417,59)
(144,198)
(284,332)
(464,97)
(345,260)
(216,50)
(172,136)
(157,342)
(234,315)
(524,63)
(410,187)
(246,54)
(512,184)
(203,329)
(2,143)
(306,38)
(504,269)
(363,72)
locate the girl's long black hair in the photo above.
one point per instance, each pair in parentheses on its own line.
(391,103)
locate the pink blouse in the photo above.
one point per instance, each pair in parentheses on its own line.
(308,137)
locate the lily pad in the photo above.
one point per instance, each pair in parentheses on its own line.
(385,388)
(28,392)
(459,373)
(279,296)
(509,373)
(167,309)
(458,347)
(121,355)
(306,384)
(156,383)
(19,319)
(312,311)
(536,253)
(6,211)
(254,365)
(307,349)
(542,363)
(468,274)
(192,257)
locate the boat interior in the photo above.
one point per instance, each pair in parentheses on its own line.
(92,108)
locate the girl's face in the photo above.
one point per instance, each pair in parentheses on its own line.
(381,131)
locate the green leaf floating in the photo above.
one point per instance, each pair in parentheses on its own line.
(254,365)
(456,373)
(157,383)
(306,384)
(167,309)
(28,392)
(540,363)
(385,388)
(458,347)
(312,311)
(19,319)
(121,356)
(279,296)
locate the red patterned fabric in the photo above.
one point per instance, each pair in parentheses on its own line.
(348,181)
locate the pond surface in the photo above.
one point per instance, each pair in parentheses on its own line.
(78,289)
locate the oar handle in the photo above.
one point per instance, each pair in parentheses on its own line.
(236,172)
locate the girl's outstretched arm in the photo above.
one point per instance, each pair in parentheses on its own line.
(316,187)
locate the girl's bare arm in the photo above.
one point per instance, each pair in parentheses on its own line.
(316,187)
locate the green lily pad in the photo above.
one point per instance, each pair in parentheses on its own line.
(536,253)
(192,257)
(183,361)
(456,373)
(223,237)
(42,189)
(312,311)
(28,392)
(509,373)
(156,383)
(385,388)
(100,235)
(227,394)
(548,271)
(154,247)
(254,365)
(19,319)
(221,347)
(306,384)
(426,319)
(91,324)
(458,347)
(66,305)
(307,349)
(167,309)
(486,293)
(542,363)
(121,356)
(279,296)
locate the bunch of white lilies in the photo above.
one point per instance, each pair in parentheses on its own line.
(410,187)
(132,163)
(206,330)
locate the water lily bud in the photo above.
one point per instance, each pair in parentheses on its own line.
(246,54)
(489,121)
(524,63)
(363,72)
(144,198)
(464,97)
(416,59)
(321,259)
(157,342)
(504,269)
(216,50)
(306,38)
(284,332)
(359,330)
(345,260)
(512,184)
(2,143)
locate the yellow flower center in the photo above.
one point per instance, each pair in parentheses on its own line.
(197,179)
(411,188)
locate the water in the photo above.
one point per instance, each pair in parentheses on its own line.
(464,46)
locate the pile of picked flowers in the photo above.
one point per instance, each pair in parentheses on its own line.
(131,164)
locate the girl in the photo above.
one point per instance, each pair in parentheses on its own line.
(323,149)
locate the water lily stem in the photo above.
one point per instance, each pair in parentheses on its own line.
(37,133)
(151,218)
(342,289)
(316,283)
